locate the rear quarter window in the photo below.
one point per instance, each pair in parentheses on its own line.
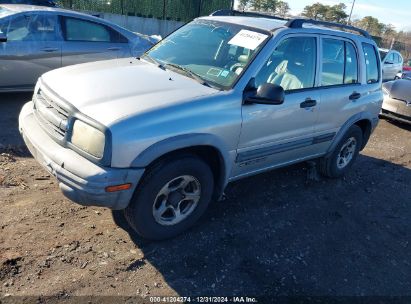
(371,63)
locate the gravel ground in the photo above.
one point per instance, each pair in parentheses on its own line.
(276,234)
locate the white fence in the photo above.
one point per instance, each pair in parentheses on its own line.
(147,26)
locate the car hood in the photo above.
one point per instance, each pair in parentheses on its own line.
(399,89)
(109,91)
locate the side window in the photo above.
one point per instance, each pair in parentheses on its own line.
(292,64)
(332,62)
(33,28)
(82,30)
(396,58)
(18,28)
(372,64)
(339,63)
(4,24)
(390,58)
(351,64)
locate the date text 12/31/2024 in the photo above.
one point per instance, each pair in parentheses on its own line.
(203,300)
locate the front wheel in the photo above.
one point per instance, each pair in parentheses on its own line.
(344,154)
(171,197)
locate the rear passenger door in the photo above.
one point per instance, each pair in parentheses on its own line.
(86,40)
(342,95)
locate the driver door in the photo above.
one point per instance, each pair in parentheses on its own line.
(274,135)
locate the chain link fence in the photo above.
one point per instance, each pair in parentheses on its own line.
(178,10)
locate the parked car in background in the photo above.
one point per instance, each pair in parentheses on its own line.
(397,100)
(406,74)
(30,2)
(35,40)
(220,99)
(392,64)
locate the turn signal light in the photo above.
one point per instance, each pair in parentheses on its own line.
(118,188)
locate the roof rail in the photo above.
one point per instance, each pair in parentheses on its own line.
(228,12)
(298,23)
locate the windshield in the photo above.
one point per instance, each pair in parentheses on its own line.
(214,51)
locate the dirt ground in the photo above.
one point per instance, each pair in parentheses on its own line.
(278,233)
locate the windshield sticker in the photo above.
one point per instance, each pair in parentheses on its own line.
(214,72)
(225,73)
(248,39)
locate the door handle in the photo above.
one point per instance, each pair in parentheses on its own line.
(114,48)
(355,96)
(308,103)
(49,50)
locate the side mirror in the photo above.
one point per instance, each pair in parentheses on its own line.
(3,37)
(266,93)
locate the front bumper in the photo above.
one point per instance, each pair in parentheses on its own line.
(396,109)
(80,180)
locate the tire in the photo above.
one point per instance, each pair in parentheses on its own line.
(339,162)
(172,196)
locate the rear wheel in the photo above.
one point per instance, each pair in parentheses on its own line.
(344,154)
(171,197)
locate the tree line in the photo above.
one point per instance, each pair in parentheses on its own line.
(385,34)
(277,7)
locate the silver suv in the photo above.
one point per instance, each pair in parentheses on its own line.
(222,98)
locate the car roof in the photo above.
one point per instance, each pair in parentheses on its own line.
(21,8)
(389,50)
(265,24)
(271,25)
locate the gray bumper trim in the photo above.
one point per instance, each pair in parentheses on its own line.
(79,179)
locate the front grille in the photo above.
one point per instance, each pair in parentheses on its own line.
(52,116)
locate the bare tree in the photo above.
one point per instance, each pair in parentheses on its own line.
(243,5)
(282,9)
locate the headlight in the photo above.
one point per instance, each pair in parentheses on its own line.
(88,139)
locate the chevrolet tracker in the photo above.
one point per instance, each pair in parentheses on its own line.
(220,99)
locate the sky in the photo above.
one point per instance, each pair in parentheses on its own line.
(397,13)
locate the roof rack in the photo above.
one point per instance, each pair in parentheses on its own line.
(228,12)
(298,23)
(293,23)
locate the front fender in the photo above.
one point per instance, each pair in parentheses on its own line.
(185,141)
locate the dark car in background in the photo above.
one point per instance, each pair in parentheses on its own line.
(30,2)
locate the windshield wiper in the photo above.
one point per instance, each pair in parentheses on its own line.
(190,73)
(152,60)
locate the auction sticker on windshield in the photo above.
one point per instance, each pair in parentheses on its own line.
(248,39)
